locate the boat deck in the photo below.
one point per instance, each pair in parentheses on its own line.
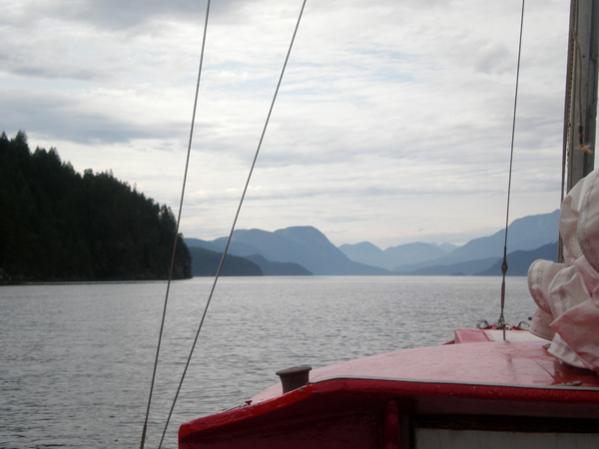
(475,379)
(486,360)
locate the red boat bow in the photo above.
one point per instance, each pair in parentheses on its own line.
(359,403)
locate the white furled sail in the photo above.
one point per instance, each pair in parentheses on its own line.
(567,294)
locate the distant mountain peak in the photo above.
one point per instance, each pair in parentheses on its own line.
(364,244)
(446,246)
(307,228)
(301,231)
(394,256)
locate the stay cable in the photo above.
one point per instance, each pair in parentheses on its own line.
(176,236)
(230,237)
(504,265)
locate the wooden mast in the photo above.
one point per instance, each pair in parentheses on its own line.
(580,105)
(581,90)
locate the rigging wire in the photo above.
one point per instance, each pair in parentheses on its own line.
(504,265)
(230,237)
(176,237)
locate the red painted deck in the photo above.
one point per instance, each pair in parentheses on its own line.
(349,402)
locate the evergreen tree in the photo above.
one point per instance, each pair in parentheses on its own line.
(58,225)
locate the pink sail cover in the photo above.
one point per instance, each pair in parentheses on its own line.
(567,294)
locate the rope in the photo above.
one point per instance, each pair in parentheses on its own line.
(176,237)
(230,237)
(504,265)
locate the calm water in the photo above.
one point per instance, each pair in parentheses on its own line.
(76,360)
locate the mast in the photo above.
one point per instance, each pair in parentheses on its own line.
(581,90)
(580,105)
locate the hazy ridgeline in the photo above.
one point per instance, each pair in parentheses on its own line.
(59,225)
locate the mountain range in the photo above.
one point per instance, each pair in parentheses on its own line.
(524,234)
(305,246)
(394,257)
(519,261)
(303,250)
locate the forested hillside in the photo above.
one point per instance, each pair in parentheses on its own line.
(205,263)
(59,225)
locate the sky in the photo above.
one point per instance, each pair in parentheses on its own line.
(392,123)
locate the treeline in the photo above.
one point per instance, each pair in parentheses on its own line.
(59,225)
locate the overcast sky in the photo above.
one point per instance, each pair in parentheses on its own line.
(392,124)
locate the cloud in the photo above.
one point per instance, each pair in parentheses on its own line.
(62,117)
(389,112)
(15,63)
(113,14)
